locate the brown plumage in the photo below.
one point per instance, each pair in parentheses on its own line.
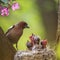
(16,31)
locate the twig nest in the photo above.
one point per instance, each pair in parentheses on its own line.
(40,54)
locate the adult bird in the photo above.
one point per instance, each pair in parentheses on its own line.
(16,31)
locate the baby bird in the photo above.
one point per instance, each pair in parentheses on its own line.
(29,45)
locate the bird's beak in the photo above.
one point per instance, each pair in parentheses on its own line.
(27,26)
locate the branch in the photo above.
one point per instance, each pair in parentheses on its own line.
(7,51)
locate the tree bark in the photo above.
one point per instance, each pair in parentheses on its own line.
(58,29)
(48,10)
(7,51)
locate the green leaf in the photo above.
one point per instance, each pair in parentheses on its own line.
(1,2)
(13,0)
(5,1)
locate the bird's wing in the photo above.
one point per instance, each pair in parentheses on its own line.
(10,29)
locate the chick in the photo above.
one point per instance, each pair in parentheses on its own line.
(44,44)
(29,45)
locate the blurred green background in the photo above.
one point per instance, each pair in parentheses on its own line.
(33,14)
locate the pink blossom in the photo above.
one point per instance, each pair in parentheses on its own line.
(15,6)
(5,11)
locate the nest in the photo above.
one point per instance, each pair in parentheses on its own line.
(38,54)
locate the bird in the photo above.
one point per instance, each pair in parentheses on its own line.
(29,45)
(15,32)
(34,39)
(44,43)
